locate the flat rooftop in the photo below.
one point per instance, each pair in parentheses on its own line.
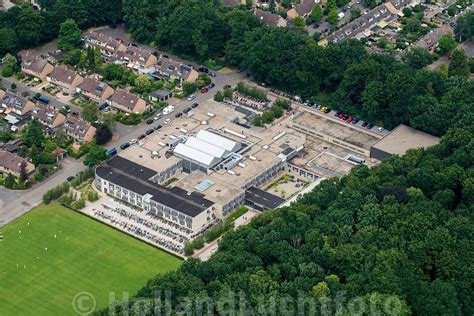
(144,156)
(134,177)
(318,153)
(330,163)
(402,138)
(263,198)
(336,129)
(213,188)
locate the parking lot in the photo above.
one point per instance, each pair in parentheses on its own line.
(139,224)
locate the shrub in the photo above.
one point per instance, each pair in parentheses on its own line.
(253,92)
(198,243)
(188,249)
(219,96)
(7,71)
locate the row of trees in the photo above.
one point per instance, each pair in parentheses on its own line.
(371,86)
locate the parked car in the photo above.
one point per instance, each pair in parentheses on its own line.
(341,115)
(167,121)
(178,114)
(227,86)
(364,124)
(195,105)
(345,117)
(157,116)
(369,126)
(186,110)
(157,127)
(191,97)
(150,131)
(203,69)
(103,106)
(150,121)
(133,141)
(141,136)
(322,109)
(204,90)
(70,178)
(75,113)
(355,120)
(349,119)
(211,85)
(124,146)
(337,114)
(212,74)
(112,151)
(380,129)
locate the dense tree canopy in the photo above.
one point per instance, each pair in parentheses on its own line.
(403,229)
(69,35)
(26,27)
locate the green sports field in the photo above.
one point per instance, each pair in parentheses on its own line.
(51,254)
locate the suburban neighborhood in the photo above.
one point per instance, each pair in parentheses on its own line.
(284,150)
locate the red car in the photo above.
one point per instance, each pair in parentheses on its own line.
(349,119)
(204,90)
(341,115)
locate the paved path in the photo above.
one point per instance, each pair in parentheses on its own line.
(208,250)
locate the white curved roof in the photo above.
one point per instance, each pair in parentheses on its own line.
(206,147)
(218,140)
(189,153)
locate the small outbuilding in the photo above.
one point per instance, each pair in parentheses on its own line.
(160,95)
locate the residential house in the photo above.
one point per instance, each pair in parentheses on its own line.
(430,40)
(12,146)
(36,66)
(12,163)
(10,102)
(127,102)
(80,131)
(169,69)
(136,58)
(64,78)
(269,18)
(160,95)
(17,122)
(95,90)
(48,116)
(303,9)
(107,45)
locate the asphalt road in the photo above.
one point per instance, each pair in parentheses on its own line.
(16,203)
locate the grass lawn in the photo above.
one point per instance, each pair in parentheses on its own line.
(82,256)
